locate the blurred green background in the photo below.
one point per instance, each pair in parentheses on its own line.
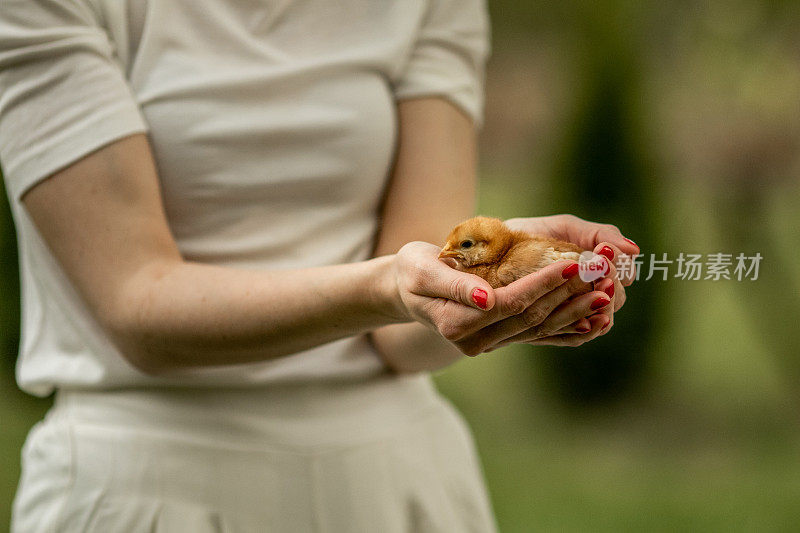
(680,123)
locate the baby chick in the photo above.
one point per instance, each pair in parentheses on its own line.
(488,248)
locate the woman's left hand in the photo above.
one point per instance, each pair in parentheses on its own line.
(603,239)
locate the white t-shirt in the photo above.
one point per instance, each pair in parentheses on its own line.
(273,126)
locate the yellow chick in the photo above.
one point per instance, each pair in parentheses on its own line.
(488,248)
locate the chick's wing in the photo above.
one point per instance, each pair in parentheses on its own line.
(533,254)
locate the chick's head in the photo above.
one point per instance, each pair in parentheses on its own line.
(477,241)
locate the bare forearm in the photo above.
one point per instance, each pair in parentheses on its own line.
(183,314)
(413,347)
(432,189)
(103,219)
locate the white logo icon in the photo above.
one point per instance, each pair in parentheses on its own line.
(592,267)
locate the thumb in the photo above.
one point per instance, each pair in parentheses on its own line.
(467,289)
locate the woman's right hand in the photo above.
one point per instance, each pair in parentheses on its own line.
(466,311)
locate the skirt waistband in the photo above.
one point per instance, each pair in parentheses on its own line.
(298,415)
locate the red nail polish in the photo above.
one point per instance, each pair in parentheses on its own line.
(600,302)
(479,296)
(633,243)
(571,271)
(610,291)
(583,329)
(608,252)
(605,325)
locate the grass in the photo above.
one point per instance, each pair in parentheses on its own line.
(653,465)
(596,483)
(18,412)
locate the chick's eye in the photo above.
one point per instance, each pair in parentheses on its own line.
(467,244)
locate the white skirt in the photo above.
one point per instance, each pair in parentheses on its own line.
(386,456)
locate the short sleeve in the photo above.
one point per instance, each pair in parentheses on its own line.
(449,56)
(62,94)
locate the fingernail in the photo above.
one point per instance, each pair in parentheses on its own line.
(600,302)
(479,296)
(571,271)
(608,252)
(630,241)
(583,329)
(610,291)
(606,266)
(605,325)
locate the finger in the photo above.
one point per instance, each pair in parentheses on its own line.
(588,234)
(568,313)
(486,336)
(580,326)
(607,286)
(622,261)
(475,333)
(514,298)
(604,318)
(614,289)
(570,340)
(609,234)
(618,292)
(438,280)
(534,315)
(567,339)
(612,272)
(599,325)
(572,311)
(613,254)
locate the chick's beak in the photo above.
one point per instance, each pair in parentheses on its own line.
(448,252)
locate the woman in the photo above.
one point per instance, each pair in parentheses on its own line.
(223,212)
